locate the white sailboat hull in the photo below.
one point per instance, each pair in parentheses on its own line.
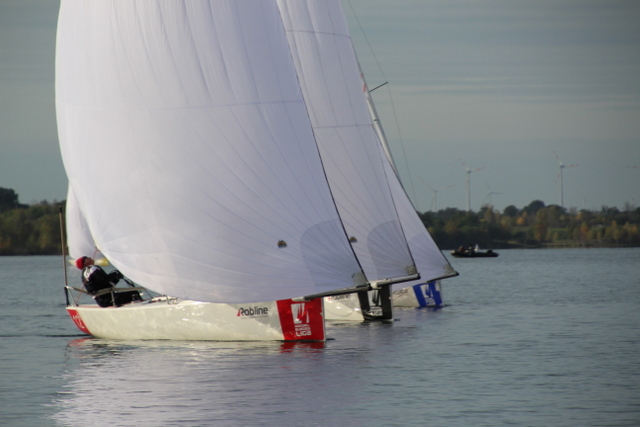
(347,307)
(167,319)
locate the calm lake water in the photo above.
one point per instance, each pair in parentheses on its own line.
(531,338)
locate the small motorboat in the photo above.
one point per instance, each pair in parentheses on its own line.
(473,252)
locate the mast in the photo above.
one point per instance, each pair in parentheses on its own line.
(375,119)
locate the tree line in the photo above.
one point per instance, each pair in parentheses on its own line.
(28,230)
(35,229)
(535,225)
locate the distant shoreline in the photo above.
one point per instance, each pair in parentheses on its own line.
(551,246)
(446,250)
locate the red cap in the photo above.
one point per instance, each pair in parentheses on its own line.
(80,262)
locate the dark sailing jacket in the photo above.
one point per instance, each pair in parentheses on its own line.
(95,279)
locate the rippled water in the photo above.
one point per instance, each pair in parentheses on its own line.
(531,338)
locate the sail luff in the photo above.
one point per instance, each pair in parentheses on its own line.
(189,148)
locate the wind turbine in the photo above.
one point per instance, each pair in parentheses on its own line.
(434,202)
(490,193)
(469,183)
(562,166)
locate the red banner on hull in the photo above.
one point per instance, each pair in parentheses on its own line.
(302,320)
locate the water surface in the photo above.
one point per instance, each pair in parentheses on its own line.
(531,338)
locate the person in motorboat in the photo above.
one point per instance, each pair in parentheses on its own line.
(95,280)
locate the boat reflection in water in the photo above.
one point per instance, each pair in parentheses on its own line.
(213,383)
(160,383)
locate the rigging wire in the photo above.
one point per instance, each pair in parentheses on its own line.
(391,103)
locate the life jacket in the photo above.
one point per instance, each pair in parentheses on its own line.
(95,279)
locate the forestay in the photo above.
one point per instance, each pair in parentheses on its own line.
(188,145)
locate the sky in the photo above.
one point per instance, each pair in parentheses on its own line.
(506,89)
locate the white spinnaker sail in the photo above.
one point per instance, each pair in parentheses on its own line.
(186,140)
(330,79)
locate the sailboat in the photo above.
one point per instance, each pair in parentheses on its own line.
(202,171)
(430,261)
(316,45)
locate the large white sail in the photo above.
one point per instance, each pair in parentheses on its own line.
(187,143)
(339,103)
(330,79)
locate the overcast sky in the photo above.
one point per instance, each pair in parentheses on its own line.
(498,85)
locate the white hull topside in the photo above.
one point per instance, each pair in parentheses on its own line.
(169,319)
(343,308)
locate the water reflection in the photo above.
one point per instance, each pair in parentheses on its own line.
(169,383)
(534,338)
(162,383)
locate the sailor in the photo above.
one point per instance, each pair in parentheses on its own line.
(95,279)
